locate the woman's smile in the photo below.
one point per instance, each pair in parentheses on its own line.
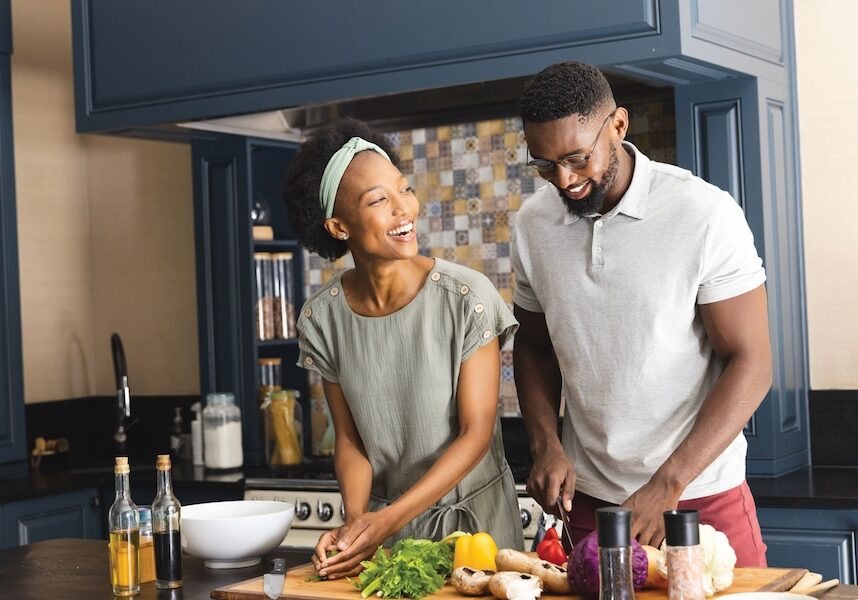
(403,232)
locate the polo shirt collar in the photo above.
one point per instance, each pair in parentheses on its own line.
(633,202)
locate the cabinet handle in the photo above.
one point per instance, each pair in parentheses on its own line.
(95,502)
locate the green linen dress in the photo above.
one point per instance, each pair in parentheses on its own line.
(399,374)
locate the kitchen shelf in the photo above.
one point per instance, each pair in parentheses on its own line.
(275,245)
(276,343)
(230,172)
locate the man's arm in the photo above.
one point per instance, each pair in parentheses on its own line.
(738,329)
(538,382)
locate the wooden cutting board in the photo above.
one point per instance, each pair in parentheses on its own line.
(297,587)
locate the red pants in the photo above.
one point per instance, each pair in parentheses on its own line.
(732,512)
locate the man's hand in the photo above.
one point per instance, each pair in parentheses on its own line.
(355,541)
(552,474)
(648,505)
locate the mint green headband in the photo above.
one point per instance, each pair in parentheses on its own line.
(337,166)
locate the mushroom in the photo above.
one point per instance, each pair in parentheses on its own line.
(471,582)
(508,585)
(554,577)
(513,560)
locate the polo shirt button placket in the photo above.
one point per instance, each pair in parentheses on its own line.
(597,259)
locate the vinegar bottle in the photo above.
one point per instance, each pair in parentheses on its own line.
(124,527)
(165,529)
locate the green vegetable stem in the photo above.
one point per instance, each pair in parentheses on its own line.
(414,568)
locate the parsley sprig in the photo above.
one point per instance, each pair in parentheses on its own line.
(414,568)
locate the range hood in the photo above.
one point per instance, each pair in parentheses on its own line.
(393,112)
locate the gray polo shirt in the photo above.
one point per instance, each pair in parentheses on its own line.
(620,294)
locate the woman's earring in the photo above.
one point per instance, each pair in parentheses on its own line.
(344,236)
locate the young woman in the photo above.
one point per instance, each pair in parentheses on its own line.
(408,349)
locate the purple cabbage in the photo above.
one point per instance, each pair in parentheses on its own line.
(583,568)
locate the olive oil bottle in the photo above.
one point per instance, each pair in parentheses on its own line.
(124,527)
(165,527)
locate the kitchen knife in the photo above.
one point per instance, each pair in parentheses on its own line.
(273,581)
(565,519)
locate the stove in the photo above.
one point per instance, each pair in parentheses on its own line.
(319,506)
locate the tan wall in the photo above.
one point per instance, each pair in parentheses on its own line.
(827,88)
(105,231)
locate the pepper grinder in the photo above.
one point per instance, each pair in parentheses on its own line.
(615,553)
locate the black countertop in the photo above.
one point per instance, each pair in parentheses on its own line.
(70,568)
(33,484)
(810,487)
(37,483)
(816,487)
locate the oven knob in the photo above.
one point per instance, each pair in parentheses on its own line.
(525,518)
(302,510)
(325,510)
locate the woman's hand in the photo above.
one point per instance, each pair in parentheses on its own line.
(327,542)
(354,542)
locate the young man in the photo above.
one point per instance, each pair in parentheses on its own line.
(641,300)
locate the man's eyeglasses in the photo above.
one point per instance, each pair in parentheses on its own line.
(570,161)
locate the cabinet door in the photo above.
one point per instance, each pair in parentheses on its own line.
(823,541)
(12,431)
(162,62)
(71,515)
(224,249)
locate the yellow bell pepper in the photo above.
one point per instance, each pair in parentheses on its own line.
(476,551)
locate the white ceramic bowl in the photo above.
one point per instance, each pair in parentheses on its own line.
(228,535)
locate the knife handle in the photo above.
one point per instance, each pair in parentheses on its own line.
(278,566)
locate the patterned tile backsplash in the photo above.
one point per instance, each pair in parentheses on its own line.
(471,179)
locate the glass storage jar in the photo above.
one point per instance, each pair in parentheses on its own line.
(147,545)
(264,283)
(284,297)
(222,432)
(283,428)
(268,375)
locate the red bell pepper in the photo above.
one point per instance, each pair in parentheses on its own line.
(551,549)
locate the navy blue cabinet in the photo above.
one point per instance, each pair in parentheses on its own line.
(821,540)
(228,172)
(70,515)
(12,432)
(171,61)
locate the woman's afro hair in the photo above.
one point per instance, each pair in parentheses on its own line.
(564,89)
(304,178)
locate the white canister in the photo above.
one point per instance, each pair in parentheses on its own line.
(222,432)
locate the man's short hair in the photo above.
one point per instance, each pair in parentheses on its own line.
(564,89)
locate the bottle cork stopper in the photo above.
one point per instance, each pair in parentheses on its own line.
(162,463)
(121,465)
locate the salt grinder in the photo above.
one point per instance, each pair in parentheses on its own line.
(684,555)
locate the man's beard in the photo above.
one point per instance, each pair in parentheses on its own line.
(595,200)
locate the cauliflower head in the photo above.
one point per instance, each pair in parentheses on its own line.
(719,558)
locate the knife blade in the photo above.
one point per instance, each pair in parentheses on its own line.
(565,519)
(273,581)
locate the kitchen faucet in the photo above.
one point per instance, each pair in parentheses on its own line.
(123,395)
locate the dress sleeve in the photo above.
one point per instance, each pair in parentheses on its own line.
(488,317)
(730,265)
(314,349)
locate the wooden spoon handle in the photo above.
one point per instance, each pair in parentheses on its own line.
(809,580)
(817,589)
